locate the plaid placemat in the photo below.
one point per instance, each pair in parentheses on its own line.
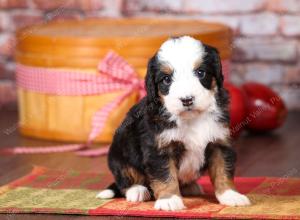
(72,192)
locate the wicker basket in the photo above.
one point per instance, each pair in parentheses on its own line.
(80,45)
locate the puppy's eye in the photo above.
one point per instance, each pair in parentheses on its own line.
(201,73)
(167,80)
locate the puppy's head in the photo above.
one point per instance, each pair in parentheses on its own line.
(184,75)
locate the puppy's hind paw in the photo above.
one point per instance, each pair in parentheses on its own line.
(173,203)
(233,198)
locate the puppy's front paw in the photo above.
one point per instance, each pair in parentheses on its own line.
(106,194)
(137,193)
(172,203)
(233,198)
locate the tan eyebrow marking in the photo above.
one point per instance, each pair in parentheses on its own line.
(165,68)
(197,63)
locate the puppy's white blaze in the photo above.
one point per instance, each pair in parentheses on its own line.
(106,194)
(172,203)
(181,53)
(137,193)
(233,198)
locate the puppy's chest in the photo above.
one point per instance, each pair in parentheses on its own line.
(195,137)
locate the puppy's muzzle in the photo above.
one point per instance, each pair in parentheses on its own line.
(187,101)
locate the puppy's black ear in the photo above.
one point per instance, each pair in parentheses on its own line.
(150,80)
(214,56)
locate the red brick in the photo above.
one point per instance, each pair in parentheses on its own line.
(289,25)
(259,24)
(232,21)
(2,68)
(7,45)
(5,22)
(132,6)
(221,6)
(292,74)
(25,18)
(135,6)
(111,8)
(68,4)
(265,49)
(54,4)
(63,14)
(7,4)
(8,92)
(284,6)
(90,4)
(7,69)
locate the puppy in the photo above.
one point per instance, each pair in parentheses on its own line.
(175,133)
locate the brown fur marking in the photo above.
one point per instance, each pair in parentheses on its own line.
(134,176)
(165,68)
(197,63)
(168,188)
(213,84)
(217,173)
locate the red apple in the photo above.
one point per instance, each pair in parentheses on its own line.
(237,108)
(265,109)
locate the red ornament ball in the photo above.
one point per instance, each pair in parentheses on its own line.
(265,109)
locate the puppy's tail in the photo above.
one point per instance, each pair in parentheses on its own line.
(110,192)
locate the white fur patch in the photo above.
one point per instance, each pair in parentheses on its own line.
(106,194)
(173,203)
(137,193)
(233,198)
(195,135)
(181,54)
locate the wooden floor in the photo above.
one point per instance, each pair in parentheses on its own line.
(275,154)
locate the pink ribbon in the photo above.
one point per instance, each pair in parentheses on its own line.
(116,74)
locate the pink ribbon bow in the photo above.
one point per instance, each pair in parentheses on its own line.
(116,74)
(124,76)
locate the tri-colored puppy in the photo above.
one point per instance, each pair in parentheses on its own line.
(179,130)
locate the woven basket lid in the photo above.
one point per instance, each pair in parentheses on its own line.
(82,43)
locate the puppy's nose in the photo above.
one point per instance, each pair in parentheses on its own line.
(187,101)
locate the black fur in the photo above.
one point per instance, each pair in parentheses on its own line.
(134,144)
(151,88)
(213,65)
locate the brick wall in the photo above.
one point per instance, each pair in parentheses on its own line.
(266,44)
